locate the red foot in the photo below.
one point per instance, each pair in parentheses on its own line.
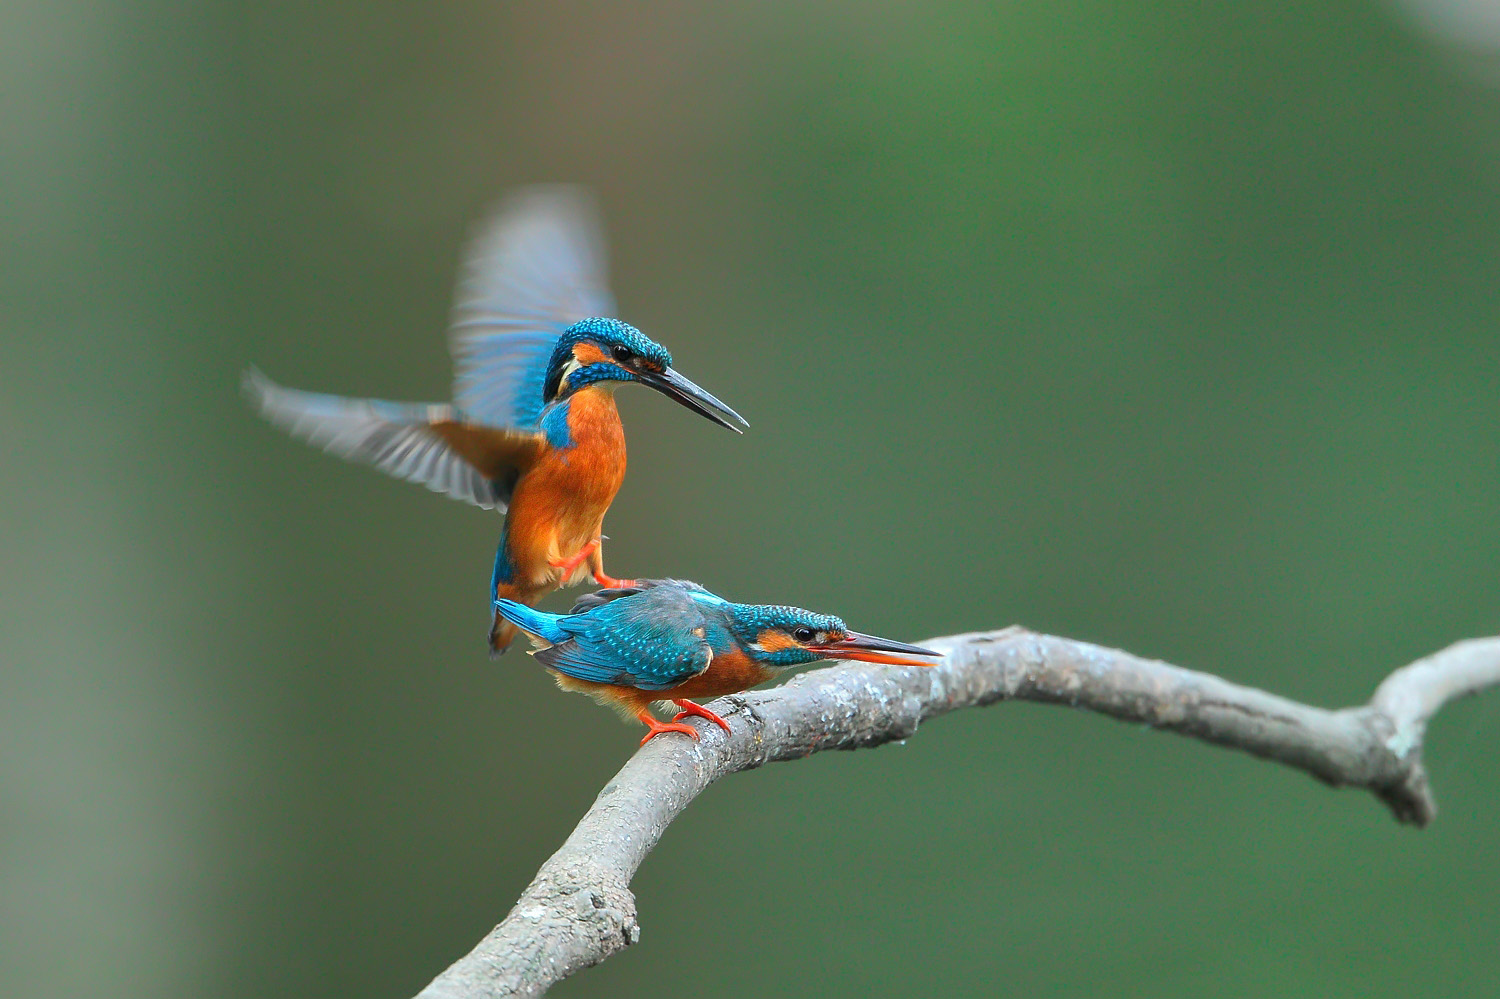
(570,565)
(658,727)
(698,711)
(611,583)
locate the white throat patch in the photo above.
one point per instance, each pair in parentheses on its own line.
(567,372)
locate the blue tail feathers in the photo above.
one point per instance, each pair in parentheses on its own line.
(533,622)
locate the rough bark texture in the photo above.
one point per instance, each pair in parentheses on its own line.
(579,910)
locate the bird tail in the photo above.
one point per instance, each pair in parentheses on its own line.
(542,628)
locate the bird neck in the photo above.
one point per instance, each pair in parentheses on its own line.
(731,633)
(585,415)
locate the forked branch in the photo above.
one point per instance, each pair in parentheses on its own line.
(579,909)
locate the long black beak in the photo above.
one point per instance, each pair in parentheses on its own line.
(869,649)
(672,385)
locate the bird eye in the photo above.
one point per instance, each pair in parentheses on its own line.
(803,635)
(621,354)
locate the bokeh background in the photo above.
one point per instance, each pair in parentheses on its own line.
(1165,327)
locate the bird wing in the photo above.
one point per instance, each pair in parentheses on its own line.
(425,444)
(535,267)
(653,641)
(599,598)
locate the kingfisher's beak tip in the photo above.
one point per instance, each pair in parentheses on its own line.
(870,649)
(681,390)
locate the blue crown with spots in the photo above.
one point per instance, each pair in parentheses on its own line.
(749,620)
(609,334)
(784,617)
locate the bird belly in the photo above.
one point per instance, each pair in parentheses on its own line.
(559,503)
(628,701)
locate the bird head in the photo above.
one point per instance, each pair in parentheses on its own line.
(784,637)
(608,350)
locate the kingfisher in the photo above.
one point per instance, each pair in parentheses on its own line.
(533,431)
(672,640)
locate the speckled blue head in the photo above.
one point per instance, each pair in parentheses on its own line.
(780,636)
(598,350)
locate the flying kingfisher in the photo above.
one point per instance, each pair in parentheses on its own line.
(672,640)
(533,430)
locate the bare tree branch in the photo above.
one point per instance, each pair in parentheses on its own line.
(579,909)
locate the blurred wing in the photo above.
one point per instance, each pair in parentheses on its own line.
(653,642)
(418,443)
(534,268)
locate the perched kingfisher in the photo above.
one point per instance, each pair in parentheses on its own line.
(533,431)
(672,640)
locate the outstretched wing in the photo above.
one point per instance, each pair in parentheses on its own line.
(535,267)
(652,641)
(425,444)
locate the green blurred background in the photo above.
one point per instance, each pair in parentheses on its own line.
(1168,328)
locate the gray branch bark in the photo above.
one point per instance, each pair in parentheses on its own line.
(579,909)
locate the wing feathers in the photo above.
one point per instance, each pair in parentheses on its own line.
(652,638)
(583,660)
(424,444)
(572,660)
(532,269)
(495,451)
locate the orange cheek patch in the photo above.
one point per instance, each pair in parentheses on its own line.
(774,641)
(588,353)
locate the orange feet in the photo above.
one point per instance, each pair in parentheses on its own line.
(570,565)
(689,709)
(611,583)
(658,727)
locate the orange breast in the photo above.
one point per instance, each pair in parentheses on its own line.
(559,503)
(729,673)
